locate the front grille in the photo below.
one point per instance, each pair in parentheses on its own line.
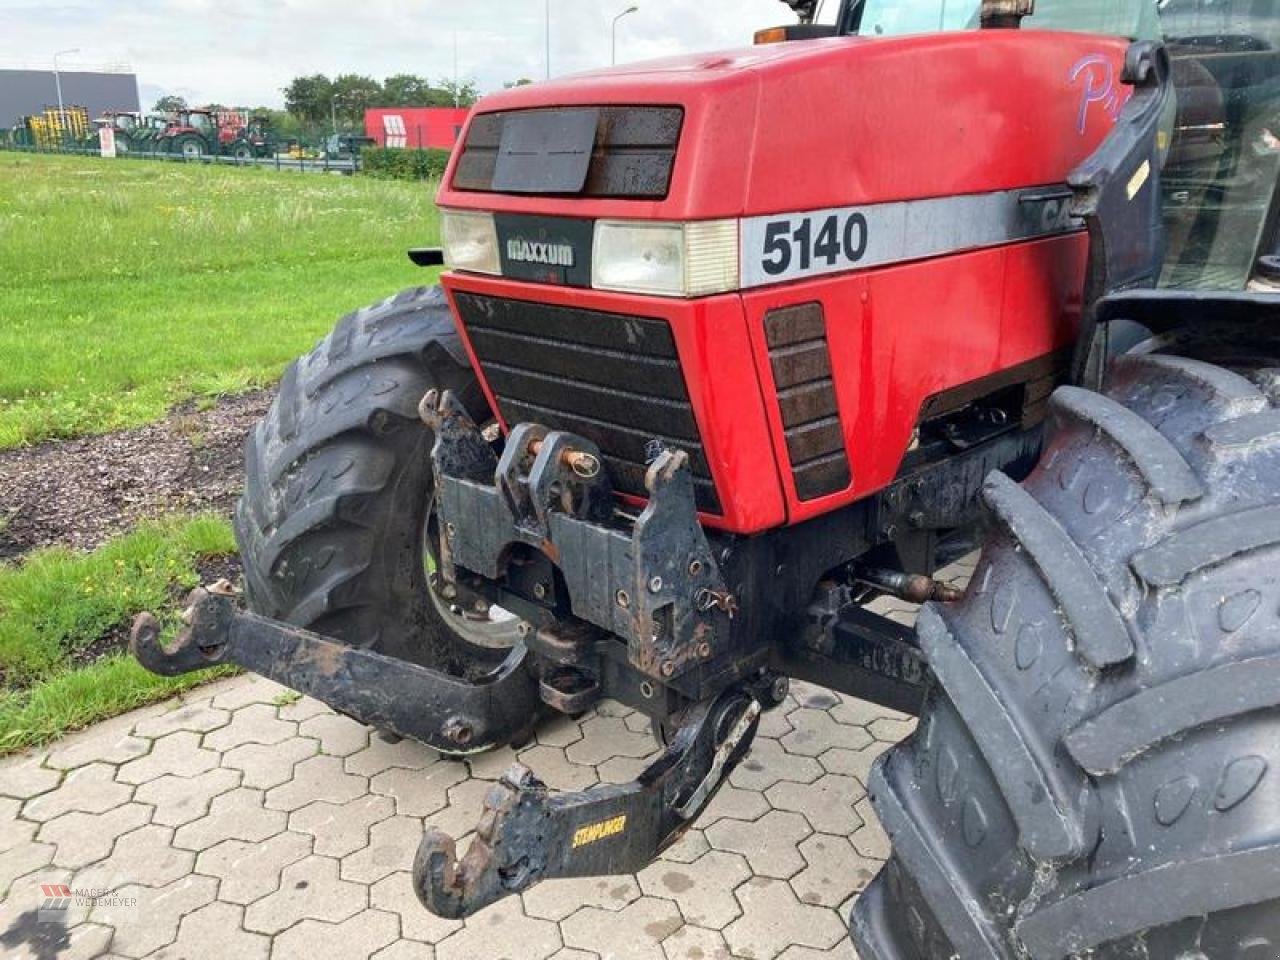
(801,362)
(632,156)
(613,379)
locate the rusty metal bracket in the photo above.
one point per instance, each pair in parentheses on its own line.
(447,713)
(526,835)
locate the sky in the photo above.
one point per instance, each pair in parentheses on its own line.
(243,52)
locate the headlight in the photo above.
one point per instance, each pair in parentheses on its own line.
(470,241)
(666,259)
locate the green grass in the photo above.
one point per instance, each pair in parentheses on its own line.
(129,285)
(57,603)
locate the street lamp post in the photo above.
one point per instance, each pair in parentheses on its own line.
(548,39)
(626,12)
(57,83)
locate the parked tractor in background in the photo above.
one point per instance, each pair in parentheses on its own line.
(730,345)
(127,128)
(198,133)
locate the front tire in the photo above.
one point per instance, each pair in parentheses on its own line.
(339,484)
(1097,767)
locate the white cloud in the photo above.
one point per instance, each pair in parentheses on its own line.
(244,51)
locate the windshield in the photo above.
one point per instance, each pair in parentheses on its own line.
(891,18)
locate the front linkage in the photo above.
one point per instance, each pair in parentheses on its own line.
(633,608)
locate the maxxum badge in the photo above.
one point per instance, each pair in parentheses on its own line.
(552,254)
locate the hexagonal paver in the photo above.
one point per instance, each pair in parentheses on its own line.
(13,831)
(143,856)
(179,800)
(870,840)
(382,754)
(688,848)
(197,717)
(214,932)
(735,802)
(502,932)
(634,933)
(255,723)
(559,731)
(853,763)
(249,871)
(96,746)
(606,737)
(395,895)
(703,890)
(833,873)
(773,919)
(264,766)
(237,814)
(88,789)
(340,829)
(767,763)
(890,730)
(827,803)
(249,690)
(22,860)
(23,779)
(317,778)
(178,754)
(297,709)
(695,943)
(553,768)
(392,845)
(407,950)
(814,732)
(359,936)
(309,889)
(82,838)
(418,793)
(339,736)
(556,899)
(769,844)
(855,712)
(145,919)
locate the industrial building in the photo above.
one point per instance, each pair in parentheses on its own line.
(415,127)
(24,92)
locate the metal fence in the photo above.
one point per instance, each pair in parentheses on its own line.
(323,164)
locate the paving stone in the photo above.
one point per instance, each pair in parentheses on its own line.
(767,763)
(247,690)
(406,950)
(12,830)
(731,801)
(462,814)
(250,871)
(177,754)
(491,765)
(860,713)
(703,891)
(96,746)
(774,723)
(814,732)
(179,800)
(198,717)
(145,919)
(340,829)
(88,789)
(841,951)
(813,696)
(552,767)
(605,737)
(213,932)
(380,755)
(769,844)
(419,793)
(84,941)
(834,871)
(623,769)
(569,953)
(358,937)
(83,838)
(22,860)
(265,767)
(634,933)
(317,778)
(827,803)
(695,943)
(773,919)
(392,845)
(395,895)
(309,889)
(560,731)
(339,736)
(870,840)
(688,848)
(890,730)
(302,708)
(23,779)
(853,763)
(143,856)
(501,932)
(256,723)
(556,899)
(235,815)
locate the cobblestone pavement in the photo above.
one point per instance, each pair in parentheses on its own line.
(241,822)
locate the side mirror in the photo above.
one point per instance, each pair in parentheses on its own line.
(1005,14)
(805,9)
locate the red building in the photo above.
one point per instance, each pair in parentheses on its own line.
(415,126)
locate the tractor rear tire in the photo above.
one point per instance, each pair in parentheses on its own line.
(1096,770)
(332,524)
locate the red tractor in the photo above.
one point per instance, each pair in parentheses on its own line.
(195,134)
(728,346)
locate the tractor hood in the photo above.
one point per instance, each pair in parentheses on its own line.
(829,123)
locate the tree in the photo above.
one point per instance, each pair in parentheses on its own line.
(170,104)
(353,94)
(458,93)
(406,90)
(309,98)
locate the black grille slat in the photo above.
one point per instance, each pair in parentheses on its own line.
(801,364)
(613,379)
(633,156)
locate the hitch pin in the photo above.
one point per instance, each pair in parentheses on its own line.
(912,587)
(583,465)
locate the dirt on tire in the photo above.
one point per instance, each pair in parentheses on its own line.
(82,492)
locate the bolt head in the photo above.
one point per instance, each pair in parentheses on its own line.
(623,598)
(781,686)
(540,591)
(655,585)
(668,668)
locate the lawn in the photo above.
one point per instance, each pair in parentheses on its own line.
(129,285)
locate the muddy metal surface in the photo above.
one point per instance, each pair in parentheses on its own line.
(82,492)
